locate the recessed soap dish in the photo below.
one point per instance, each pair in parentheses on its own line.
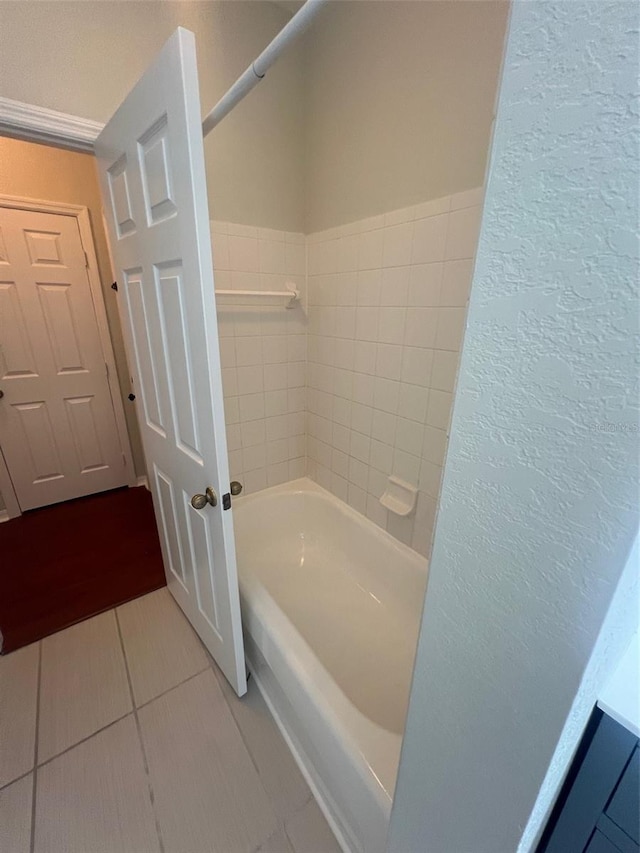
(400,497)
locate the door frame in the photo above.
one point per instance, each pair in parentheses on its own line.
(81,215)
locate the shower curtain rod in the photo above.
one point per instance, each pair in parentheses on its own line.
(259,67)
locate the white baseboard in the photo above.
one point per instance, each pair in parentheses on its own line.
(143,481)
(4,515)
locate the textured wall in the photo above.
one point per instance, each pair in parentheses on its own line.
(621,623)
(539,498)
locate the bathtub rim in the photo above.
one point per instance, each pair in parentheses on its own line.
(305,484)
(286,649)
(288,656)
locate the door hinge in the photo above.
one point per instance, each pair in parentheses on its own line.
(86,260)
(114,286)
(106,369)
(226,501)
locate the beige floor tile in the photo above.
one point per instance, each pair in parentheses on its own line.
(207,793)
(278,771)
(83,686)
(18,704)
(309,832)
(95,798)
(161,647)
(15,816)
(277,843)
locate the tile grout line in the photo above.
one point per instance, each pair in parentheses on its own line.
(17,779)
(281,822)
(212,663)
(169,689)
(210,666)
(287,836)
(34,790)
(140,739)
(102,729)
(84,739)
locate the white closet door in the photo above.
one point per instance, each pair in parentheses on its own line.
(151,163)
(58,429)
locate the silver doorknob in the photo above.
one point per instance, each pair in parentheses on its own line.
(200,501)
(235,487)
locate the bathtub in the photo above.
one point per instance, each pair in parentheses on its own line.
(331,606)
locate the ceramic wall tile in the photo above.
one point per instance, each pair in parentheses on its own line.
(383,354)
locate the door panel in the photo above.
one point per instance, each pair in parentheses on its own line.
(61,327)
(86,437)
(38,441)
(4,255)
(151,164)
(180,373)
(155,169)
(16,355)
(170,527)
(200,539)
(58,429)
(142,349)
(44,248)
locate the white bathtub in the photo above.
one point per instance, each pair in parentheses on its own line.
(331,607)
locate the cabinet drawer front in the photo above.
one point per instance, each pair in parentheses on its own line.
(607,756)
(624,808)
(600,844)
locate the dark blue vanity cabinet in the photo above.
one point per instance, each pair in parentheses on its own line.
(598,809)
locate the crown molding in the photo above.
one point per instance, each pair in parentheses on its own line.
(39,124)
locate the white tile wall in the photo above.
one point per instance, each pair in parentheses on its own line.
(263,349)
(357,382)
(387,303)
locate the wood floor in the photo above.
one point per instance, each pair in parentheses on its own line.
(64,563)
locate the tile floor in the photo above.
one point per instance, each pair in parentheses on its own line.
(119,735)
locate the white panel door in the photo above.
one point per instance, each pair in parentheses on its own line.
(151,164)
(58,430)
